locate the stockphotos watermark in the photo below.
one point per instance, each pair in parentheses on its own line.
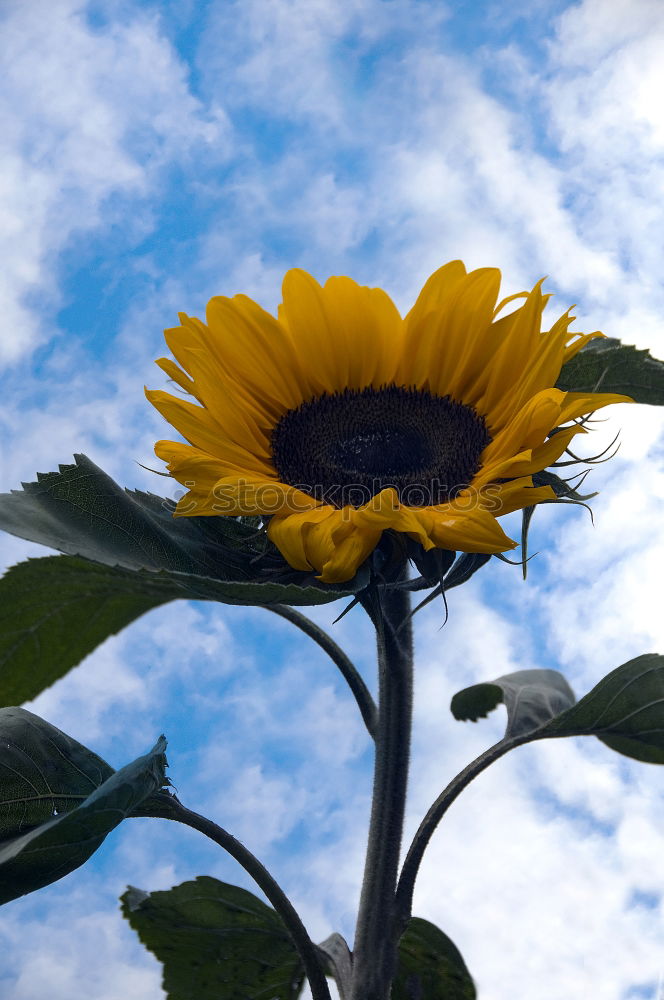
(268,498)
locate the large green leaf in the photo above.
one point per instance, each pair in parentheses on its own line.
(430,966)
(58,800)
(216,942)
(43,772)
(56,610)
(82,512)
(606,365)
(531,698)
(625,710)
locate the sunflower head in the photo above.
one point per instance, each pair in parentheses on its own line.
(338,420)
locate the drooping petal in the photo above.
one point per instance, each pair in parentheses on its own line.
(504,498)
(291,534)
(577,404)
(463,530)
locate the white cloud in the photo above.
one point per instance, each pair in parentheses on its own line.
(87,115)
(81,940)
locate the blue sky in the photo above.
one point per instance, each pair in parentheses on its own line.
(157,154)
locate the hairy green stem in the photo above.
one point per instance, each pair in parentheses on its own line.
(376,939)
(360,691)
(404,898)
(265,881)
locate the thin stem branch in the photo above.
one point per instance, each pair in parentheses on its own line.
(265,881)
(360,691)
(374,952)
(411,865)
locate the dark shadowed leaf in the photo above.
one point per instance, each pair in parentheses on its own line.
(42,772)
(80,511)
(531,697)
(56,610)
(625,710)
(430,966)
(606,365)
(58,800)
(216,942)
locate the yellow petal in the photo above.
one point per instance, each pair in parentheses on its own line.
(515,344)
(445,350)
(581,340)
(195,423)
(438,291)
(528,461)
(256,350)
(520,493)
(348,336)
(578,404)
(452,527)
(192,467)
(290,532)
(243,418)
(339,558)
(526,430)
(243,495)
(178,376)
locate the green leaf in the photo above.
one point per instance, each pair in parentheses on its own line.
(606,365)
(56,610)
(58,800)
(430,966)
(625,710)
(216,942)
(80,511)
(42,771)
(531,697)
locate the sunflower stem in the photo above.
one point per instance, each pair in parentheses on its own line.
(377,933)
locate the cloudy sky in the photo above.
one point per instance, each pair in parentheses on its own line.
(157,154)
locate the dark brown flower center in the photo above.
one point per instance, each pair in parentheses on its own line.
(346,447)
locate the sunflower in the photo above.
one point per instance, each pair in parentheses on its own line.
(339,420)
